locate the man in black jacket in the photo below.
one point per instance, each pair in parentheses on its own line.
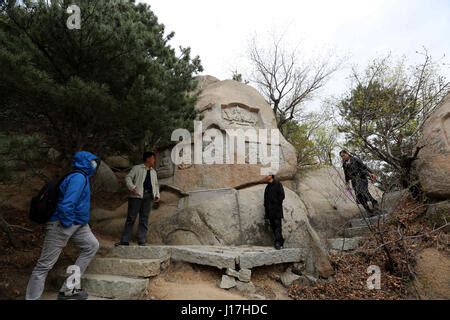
(357,172)
(273,204)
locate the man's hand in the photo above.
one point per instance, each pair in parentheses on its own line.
(156,199)
(135,191)
(373,177)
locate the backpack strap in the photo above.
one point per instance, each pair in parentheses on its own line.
(72,172)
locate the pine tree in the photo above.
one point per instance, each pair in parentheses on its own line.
(115,84)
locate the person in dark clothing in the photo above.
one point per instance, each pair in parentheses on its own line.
(357,172)
(273,204)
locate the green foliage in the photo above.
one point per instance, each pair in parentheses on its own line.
(113,85)
(20,151)
(312,139)
(297,135)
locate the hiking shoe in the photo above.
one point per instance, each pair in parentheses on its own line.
(278,246)
(142,243)
(121,243)
(76,294)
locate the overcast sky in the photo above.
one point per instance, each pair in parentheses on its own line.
(359,30)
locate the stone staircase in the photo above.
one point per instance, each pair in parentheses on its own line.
(123,272)
(352,235)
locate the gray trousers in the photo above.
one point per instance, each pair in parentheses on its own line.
(142,207)
(56,239)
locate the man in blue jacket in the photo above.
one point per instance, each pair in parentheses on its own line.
(70,221)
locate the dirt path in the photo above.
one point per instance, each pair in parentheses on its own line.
(183,281)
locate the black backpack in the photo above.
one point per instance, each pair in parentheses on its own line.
(43,205)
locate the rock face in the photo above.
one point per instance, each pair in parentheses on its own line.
(328,204)
(433,165)
(227,217)
(222,204)
(226,105)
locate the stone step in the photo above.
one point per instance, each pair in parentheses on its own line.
(139,268)
(269,256)
(344,244)
(221,257)
(246,257)
(106,286)
(205,256)
(355,232)
(364,222)
(113,287)
(54,296)
(136,252)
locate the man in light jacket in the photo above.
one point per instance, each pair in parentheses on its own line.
(142,182)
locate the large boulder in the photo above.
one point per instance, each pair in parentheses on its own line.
(225,217)
(329,206)
(118,162)
(105,179)
(111,222)
(226,105)
(433,165)
(438,214)
(392,201)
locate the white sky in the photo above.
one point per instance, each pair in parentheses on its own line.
(360,30)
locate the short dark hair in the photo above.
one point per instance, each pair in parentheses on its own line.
(148,154)
(344,151)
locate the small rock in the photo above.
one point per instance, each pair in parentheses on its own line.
(305,281)
(299,268)
(245,275)
(227,282)
(232,273)
(311,278)
(302,281)
(288,278)
(246,287)
(275,277)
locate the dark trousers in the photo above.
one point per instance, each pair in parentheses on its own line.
(142,207)
(276,226)
(363,196)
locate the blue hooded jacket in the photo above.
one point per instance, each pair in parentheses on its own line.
(74,201)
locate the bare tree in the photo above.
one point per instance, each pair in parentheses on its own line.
(285,79)
(384,113)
